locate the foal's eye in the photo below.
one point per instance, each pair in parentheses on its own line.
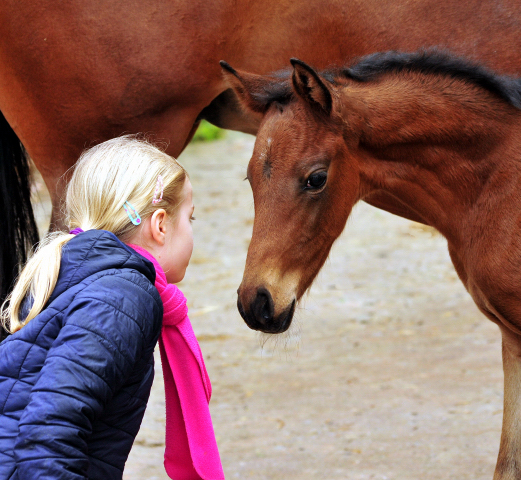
(316,180)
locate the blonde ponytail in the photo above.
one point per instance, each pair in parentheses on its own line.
(124,169)
(38,279)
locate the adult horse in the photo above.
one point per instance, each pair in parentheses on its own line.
(438,135)
(75,74)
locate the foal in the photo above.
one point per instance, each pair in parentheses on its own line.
(426,136)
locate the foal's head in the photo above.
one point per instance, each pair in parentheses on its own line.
(302,190)
(327,140)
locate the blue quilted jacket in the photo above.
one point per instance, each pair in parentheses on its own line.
(75,381)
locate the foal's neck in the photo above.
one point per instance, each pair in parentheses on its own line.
(436,145)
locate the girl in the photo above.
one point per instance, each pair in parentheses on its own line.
(85,316)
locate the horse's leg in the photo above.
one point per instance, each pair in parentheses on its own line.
(195,126)
(57,194)
(508,465)
(509,459)
(176,126)
(56,174)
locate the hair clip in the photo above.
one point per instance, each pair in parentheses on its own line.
(159,187)
(135,220)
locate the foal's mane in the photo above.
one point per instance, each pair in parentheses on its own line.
(375,65)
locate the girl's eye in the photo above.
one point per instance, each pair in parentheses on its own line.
(316,180)
(192,218)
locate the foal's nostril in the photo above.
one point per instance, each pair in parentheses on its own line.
(263,307)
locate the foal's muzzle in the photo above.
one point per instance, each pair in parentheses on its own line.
(260,313)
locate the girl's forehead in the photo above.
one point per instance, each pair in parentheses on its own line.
(187,188)
(187,193)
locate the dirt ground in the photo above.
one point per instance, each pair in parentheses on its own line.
(388,372)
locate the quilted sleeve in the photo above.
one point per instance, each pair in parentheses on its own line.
(106,330)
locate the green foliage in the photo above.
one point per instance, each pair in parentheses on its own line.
(207,132)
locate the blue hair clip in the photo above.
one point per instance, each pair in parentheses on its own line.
(131,210)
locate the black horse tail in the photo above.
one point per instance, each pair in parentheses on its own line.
(18,230)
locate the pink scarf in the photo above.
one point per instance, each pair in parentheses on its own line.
(191,450)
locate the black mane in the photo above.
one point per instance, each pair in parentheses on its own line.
(431,61)
(438,63)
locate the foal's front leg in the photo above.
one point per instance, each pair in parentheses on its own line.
(509,459)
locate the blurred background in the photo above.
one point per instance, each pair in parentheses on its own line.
(388,372)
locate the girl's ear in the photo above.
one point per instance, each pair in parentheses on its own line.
(158,226)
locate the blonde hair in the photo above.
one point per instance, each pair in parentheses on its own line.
(124,169)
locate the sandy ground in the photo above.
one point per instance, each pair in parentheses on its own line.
(389,371)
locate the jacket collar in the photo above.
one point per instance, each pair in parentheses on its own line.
(94,251)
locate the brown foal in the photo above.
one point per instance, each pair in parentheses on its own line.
(426,136)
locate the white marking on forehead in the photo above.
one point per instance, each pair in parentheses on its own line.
(264,154)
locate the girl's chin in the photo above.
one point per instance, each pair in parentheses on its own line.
(175,278)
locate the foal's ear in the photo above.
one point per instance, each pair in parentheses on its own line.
(310,87)
(248,87)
